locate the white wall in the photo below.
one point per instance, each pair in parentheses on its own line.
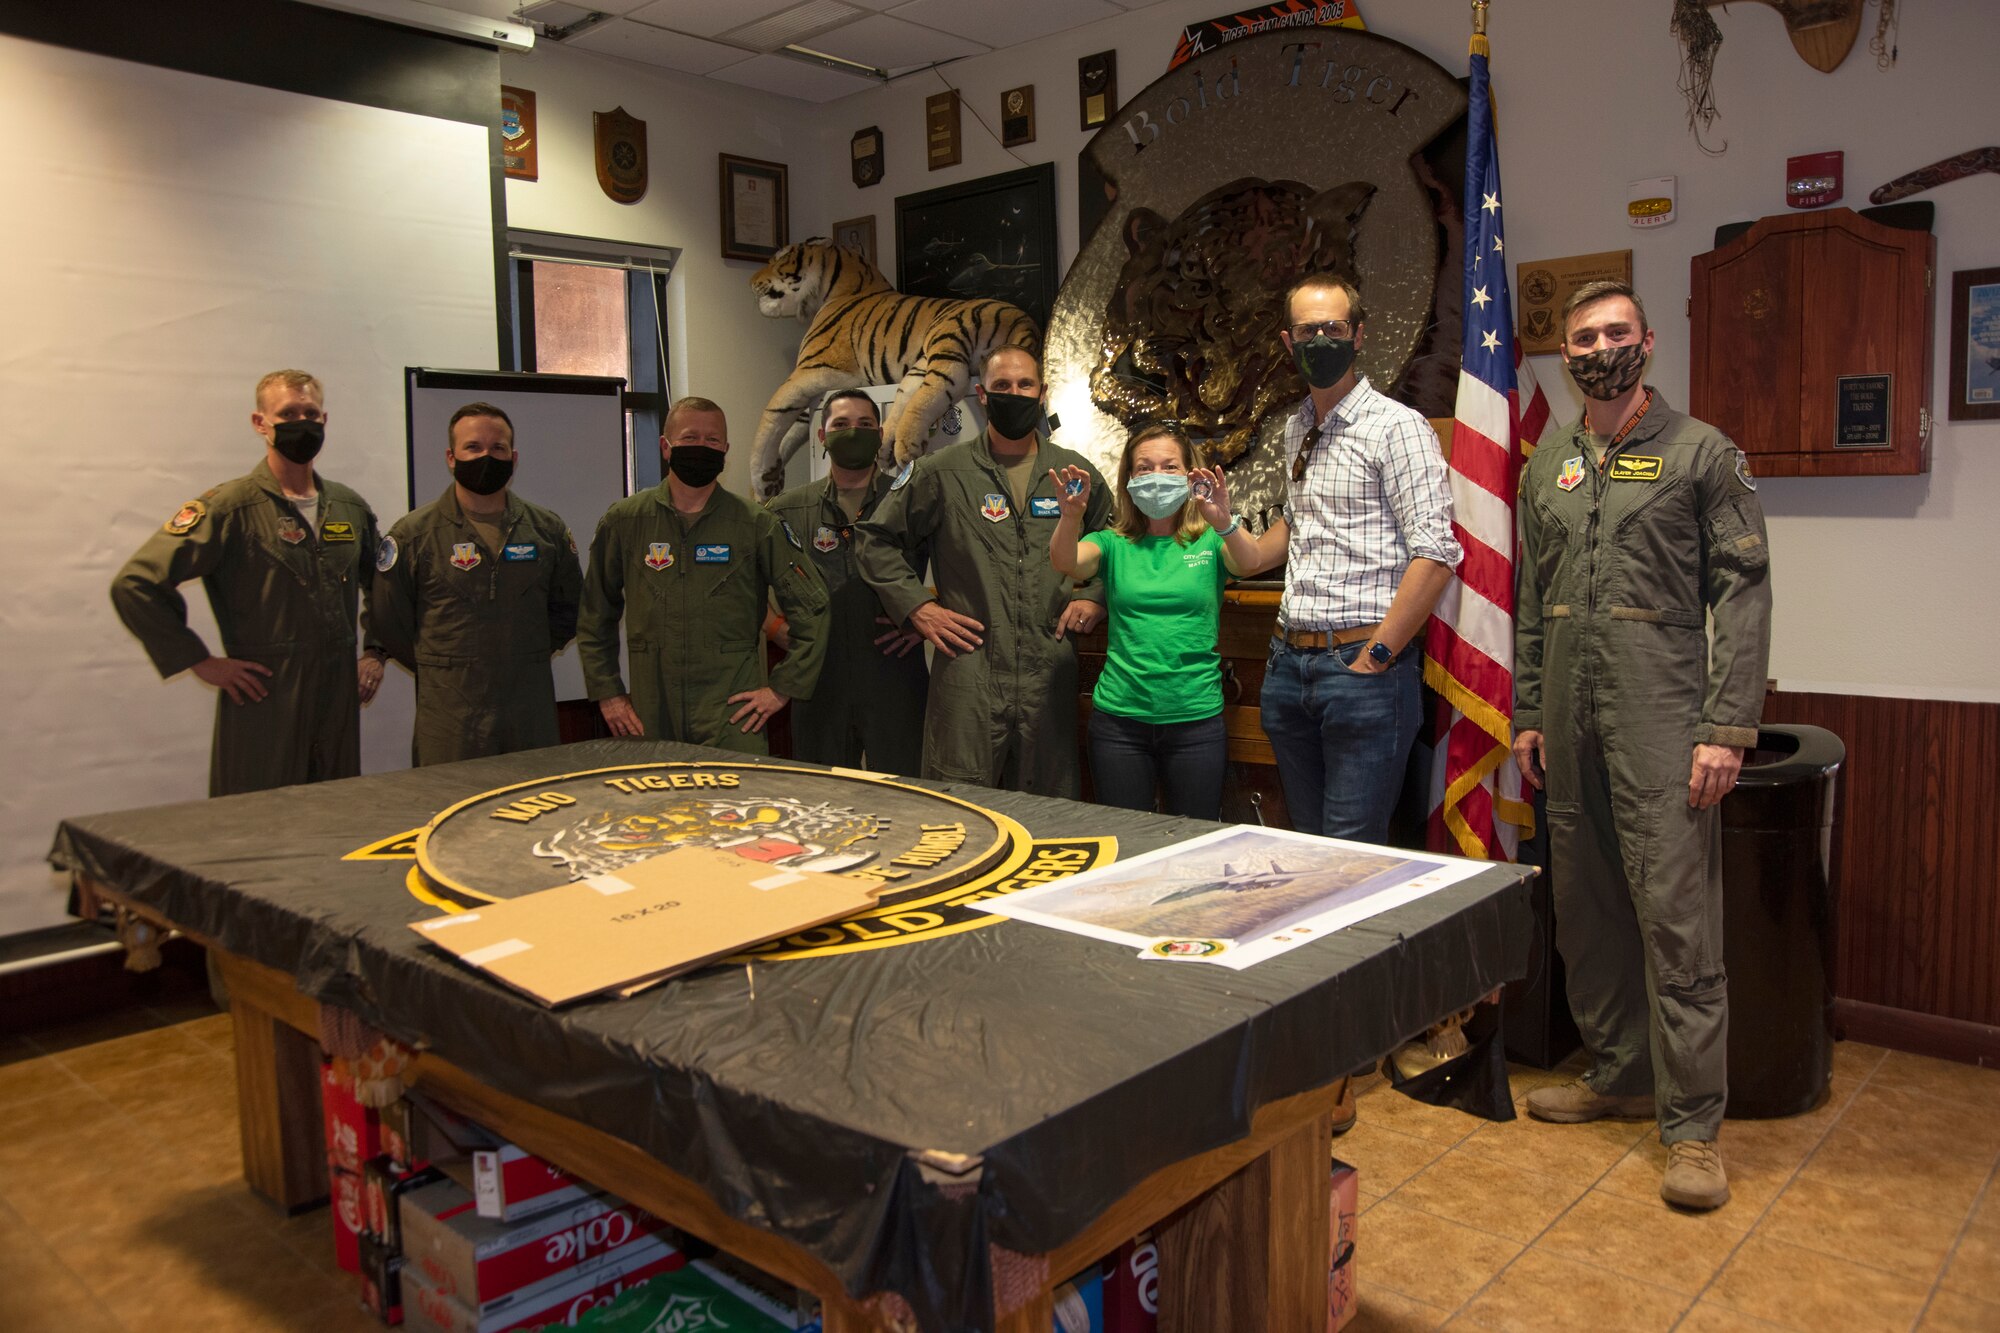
(721,348)
(156,278)
(1872,574)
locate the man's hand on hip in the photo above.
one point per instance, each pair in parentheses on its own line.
(234,677)
(759,706)
(950,632)
(1714,775)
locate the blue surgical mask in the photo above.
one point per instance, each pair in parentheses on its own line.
(1158,494)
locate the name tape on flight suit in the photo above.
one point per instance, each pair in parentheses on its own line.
(1635,467)
(716,554)
(336,532)
(518,551)
(1044,507)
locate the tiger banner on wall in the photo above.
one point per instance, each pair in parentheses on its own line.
(1198,39)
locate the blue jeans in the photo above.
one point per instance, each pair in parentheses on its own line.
(1130,756)
(1342,738)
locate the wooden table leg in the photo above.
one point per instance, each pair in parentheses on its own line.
(278,1107)
(1253,1252)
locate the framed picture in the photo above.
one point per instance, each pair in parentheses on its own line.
(756,208)
(995,236)
(858,234)
(1975,345)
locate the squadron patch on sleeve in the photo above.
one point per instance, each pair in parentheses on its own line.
(903,477)
(791,536)
(187,518)
(1743,470)
(385,555)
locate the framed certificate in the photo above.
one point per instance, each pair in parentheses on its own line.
(756,209)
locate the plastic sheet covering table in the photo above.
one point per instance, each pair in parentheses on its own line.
(956,1123)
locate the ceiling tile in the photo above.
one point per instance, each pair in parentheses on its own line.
(796,24)
(656,46)
(793,78)
(705,18)
(1006,24)
(892,43)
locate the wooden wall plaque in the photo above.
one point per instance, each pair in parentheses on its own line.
(942,145)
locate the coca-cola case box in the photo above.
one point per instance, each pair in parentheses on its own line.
(353,1131)
(556,1302)
(479,1261)
(349,1217)
(507,1181)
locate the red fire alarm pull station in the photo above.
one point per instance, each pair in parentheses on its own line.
(1814,180)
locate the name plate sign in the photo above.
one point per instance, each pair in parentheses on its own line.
(1861,411)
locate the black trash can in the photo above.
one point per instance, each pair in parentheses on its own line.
(1779,913)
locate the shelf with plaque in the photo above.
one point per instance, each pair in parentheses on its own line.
(1811,344)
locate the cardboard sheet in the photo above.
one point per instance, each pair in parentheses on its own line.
(653,919)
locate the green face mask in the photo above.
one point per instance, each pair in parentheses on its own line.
(856,447)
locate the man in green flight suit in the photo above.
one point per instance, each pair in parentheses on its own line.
(1640,529)
(869,704)
(1002,708)
(474,592)
(284,554)
(690,568)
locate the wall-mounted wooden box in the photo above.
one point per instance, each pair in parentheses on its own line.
(1811,345)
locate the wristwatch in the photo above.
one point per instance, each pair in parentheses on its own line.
(1380,652)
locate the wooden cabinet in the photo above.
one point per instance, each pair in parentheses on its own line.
(1811,345)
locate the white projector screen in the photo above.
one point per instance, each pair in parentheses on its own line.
(172,238)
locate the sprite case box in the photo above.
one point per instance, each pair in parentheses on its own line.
(694,1299)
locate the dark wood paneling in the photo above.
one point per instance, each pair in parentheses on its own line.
(1918,861)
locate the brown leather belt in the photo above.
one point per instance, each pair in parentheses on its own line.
(1320,638)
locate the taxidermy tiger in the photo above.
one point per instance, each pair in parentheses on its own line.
(863,331)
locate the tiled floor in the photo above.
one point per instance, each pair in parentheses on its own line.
(122,1205)
(1879,1210)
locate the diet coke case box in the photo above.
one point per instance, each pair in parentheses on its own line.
(556,1302)
(479,1261)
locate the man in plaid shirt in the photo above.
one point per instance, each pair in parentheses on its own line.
(1366,533)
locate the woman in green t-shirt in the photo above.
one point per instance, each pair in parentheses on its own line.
(1156,719)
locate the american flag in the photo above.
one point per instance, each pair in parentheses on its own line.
(1476,807)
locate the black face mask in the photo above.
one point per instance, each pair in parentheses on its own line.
(299,441)
(1013,415)
(483,475)
(855,447)
(1323,360)
(695,464)
(1609,371)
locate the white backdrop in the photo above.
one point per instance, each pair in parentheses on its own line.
(171,238)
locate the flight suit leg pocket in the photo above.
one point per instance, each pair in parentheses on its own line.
(1678,902)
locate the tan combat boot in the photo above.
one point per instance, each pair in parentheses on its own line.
(1694,1176)
(1575,1102)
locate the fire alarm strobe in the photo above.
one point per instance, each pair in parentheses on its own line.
(1814,180)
